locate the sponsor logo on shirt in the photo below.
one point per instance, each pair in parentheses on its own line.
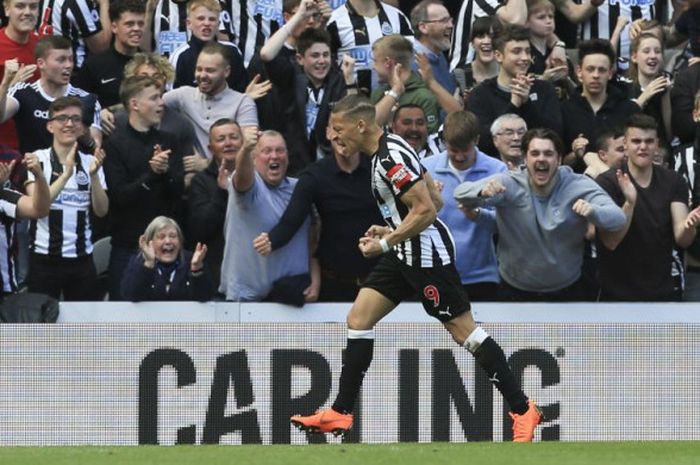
(631,3)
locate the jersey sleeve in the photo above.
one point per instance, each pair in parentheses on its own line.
(400,172)
(85,17)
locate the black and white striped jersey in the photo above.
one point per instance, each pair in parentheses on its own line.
(66,232)
(602,24)
(33,113)
(249,23)
(169,26)
(395,169)
(462,52)
(8,214)
(354,34)
(73,19)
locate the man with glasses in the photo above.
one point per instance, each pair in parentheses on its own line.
(432,25)
(507,132)
(61,259)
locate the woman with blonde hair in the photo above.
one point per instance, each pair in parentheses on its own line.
(163,270)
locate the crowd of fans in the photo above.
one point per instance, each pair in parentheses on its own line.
(202,125)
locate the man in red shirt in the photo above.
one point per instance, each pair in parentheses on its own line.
(17,42)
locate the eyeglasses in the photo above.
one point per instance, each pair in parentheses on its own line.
(445,20)
(512,132)
(63,119)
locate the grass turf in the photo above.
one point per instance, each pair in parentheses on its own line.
(545,453)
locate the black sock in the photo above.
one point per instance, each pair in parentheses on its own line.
(358,356)
(492,359)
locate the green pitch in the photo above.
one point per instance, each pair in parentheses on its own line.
(545,453)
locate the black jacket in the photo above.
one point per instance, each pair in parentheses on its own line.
(579,117)
(141,284)
(137,194)
(293,94)
(488,102)
(206,213)
(685,86)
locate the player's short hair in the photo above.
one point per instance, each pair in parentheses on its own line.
(543,133)
(312,36)
(419,14)
(51,42)
(396,47)
(155,60)
(602,142)
(215,48)
(509,33)
(355,107)
(407,106)
(641,121)
(62,103)
(118,7)
(596,46)
(134,85)
(211,5)
(461,129)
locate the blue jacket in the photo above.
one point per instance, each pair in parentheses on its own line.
(475,251)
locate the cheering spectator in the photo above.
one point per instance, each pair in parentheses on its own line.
(144,170)
(259,192)
(339,187)
(29,104)
(542,215)
(598,105)
(355,29)
(162,270)
(306,91)
(513,91)
(206,200)
(507,132)
(409,123)
(635,262)
(250,24)
(211,100)
(203,23)
(61,260)
(17,42)
(392,62)
(102,73)
(484,65)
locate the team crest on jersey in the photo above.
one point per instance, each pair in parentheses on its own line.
(387,29)
(81,178)
(399,176)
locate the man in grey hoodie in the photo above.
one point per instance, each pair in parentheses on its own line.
(542,214)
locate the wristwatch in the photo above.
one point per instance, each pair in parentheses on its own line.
(393,94)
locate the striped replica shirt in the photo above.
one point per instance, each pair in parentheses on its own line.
(249,23)
(66,232)
(169,26)
(74,19)
(602,24)
(395,169)
(462,52)
(354,34)
(8,213)
(33,113)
